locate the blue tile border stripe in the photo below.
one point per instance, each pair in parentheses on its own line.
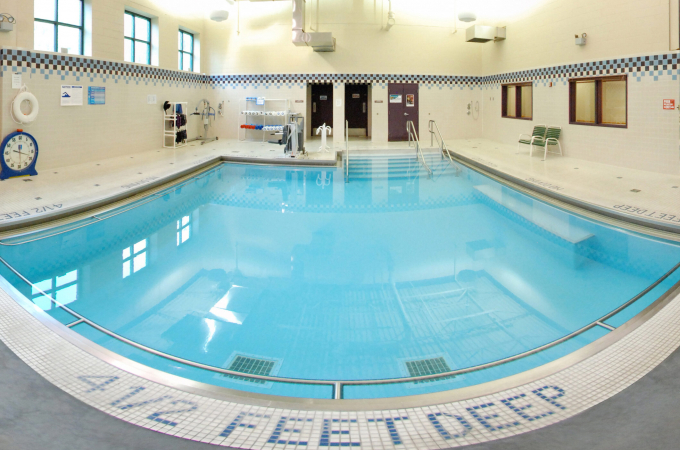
(652,65)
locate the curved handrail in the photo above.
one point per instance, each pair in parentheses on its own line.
(413,136)
(435,133)
(337,386)
(346,151)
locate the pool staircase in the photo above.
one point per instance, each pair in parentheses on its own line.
(403,166)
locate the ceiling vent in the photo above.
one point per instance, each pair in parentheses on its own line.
(480,33)
(320,42)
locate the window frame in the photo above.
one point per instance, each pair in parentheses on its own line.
(134,36)
(518,100)
(598,100)
(55,23)
(182,51)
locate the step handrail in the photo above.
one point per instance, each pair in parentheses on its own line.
(346,151)
(435,133)
(413,137)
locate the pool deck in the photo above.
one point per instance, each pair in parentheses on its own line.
(645,197)
(98,381)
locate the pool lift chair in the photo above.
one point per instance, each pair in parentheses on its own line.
(207,112)
(538,133)
(552,137)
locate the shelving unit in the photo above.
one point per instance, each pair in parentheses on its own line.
(272,113)
(170,127)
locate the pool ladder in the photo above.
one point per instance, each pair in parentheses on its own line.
(413,137)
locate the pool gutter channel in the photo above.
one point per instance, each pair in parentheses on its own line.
(572,205)
(104,205)
(337,385)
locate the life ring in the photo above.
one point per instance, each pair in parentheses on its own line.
(16,108)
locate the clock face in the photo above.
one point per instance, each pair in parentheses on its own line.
(19,153)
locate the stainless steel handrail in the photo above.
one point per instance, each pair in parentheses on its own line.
(337,386)
(413,136)
(346,151)
(434,132)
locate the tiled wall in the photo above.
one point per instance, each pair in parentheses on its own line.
(127,124)
(650,142)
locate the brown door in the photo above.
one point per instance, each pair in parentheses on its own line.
(356,107)
(402,107)
(322,106)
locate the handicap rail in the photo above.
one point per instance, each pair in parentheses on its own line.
(413,137)
(346,158)
(436,134)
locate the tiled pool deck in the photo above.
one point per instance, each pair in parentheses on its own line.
(143,396)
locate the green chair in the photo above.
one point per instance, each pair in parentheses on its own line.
(538,133)
(552,137)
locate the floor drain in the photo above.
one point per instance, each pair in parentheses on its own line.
(251,366)
(619,177)
(635,190)
(38,198)
(675,187)
(428,367)
(28,179)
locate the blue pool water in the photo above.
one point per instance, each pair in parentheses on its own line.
(292,272)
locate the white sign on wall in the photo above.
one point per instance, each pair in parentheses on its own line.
(16,81)
(71,96)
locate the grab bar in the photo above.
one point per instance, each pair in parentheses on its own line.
(413,136)
(346,151)
(435,133)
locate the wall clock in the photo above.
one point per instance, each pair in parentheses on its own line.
(19,155)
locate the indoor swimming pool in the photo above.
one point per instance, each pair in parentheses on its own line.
(292,273)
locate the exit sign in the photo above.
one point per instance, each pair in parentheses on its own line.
(669,104)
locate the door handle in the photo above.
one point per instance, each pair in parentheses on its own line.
(314,107)
(406,114)
(364,107)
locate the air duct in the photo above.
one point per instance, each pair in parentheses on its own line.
(320,42)
(480,33)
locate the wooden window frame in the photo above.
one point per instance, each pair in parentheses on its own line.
(518,100)
(56,24)
(134,38)
(598,100)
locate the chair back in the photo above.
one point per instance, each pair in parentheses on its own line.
(539,131)
(553,132)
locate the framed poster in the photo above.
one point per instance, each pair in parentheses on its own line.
(395,98)
(410,100)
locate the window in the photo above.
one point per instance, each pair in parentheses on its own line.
(134,258)
(63,289)
(517,100)
(599,101)
(183,230)
(59,24)
(186,51)
(137,38)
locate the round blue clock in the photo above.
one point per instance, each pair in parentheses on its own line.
(19,155)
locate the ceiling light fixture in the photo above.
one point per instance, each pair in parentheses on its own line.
(467,16)
(219,16)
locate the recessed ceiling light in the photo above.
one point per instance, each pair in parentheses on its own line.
(467,16)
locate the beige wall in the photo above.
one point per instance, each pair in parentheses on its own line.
(418,44)
(615,29)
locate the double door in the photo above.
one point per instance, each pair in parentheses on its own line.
(402,108)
